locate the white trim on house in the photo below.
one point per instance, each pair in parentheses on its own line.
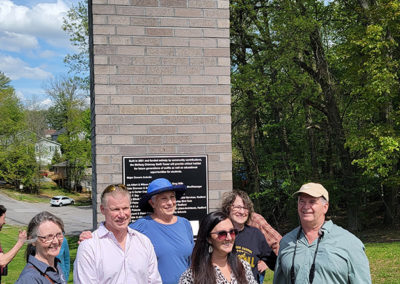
(45,150)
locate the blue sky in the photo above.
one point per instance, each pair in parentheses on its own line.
(33,45)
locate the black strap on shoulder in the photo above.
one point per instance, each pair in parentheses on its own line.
(43,274)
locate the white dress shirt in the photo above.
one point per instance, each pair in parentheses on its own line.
(102,260)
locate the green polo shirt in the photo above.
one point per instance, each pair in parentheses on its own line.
(340,258)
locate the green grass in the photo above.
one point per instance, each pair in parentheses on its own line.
(384,261)
(269,276)
(384,258)
(8,238)
(46,191)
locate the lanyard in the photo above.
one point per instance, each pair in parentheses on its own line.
(312,269)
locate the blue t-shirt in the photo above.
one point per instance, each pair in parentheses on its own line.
(172,243)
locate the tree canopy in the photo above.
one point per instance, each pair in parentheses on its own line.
(315,97)
(315,92)
(17,159)
(70,115)
(76,25)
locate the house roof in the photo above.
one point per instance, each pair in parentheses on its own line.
(49,141)
(49,132)
(61,165)
(59,132)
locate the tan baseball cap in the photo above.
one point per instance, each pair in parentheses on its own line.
(313,189)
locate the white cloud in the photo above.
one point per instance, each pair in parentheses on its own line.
(11,41)
(43,20)
(15,69)
(46,103)
(20,95)
(31,95)
(47,54)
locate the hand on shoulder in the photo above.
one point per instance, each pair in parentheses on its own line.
(84,236)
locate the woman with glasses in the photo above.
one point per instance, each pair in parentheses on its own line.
(214,258)
(45,237)
(250,243)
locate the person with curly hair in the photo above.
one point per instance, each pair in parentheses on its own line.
(250,243)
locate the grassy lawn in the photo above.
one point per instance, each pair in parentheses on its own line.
(46,191)
(384,258)
(8,238)
(384,262)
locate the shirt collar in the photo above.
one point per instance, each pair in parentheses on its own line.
(103,231)
(41,266)
(327,226)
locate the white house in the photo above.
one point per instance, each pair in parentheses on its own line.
(45,149)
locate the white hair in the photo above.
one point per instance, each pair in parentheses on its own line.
(323,200)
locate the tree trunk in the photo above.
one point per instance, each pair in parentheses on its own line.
(255,171)
(311,143)
(322,75)
(389,198)
(338,137)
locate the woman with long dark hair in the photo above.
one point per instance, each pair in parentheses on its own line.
(214,257)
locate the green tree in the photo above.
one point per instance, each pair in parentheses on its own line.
(315,97)
(11,110)
(76,25)
(72,114)
(56,158)
(17,154)
(371,41)
(35,117)
(76,139)
(18,165)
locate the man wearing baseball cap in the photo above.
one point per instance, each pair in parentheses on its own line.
(319,251)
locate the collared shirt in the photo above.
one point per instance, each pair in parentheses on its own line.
(271,235)
(340,259)
(101,259)
(35,271)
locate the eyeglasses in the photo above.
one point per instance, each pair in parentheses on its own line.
(113,187)
(238,208)
(222,235)
(49,238)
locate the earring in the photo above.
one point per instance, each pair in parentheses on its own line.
(210,249)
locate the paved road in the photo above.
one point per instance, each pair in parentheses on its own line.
(76,218)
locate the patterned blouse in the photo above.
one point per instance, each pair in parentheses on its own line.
(187,278)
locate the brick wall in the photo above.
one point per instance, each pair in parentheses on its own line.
(161,85)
